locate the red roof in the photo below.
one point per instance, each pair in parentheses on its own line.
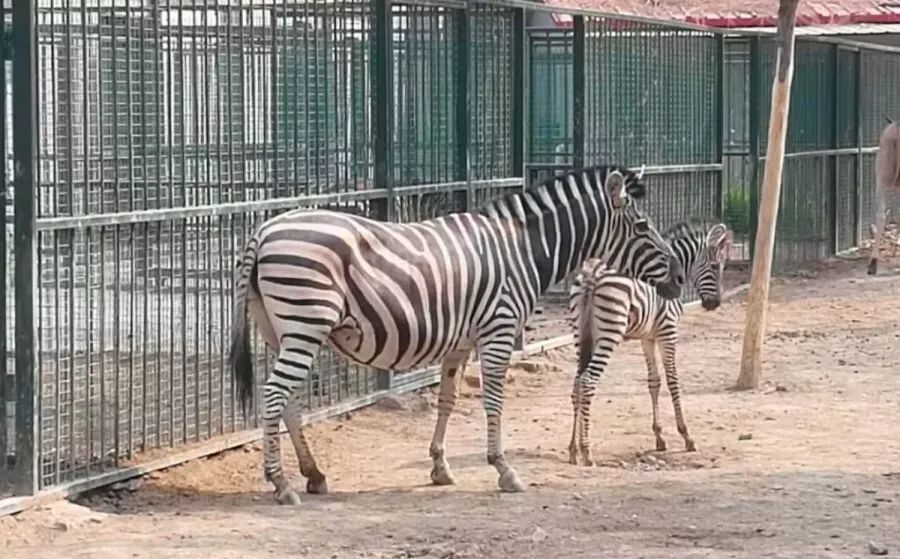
(745,13)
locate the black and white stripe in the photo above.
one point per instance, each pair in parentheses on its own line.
(398,296)
(608,307)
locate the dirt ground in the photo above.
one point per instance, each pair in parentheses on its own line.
(806,466)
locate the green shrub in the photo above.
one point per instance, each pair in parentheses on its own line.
(737,210)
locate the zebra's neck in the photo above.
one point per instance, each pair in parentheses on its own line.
(559,224)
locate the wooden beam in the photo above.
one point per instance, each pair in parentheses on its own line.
(758,297)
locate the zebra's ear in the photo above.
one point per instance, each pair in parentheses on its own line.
(636,188)
(719,239)
(614,185)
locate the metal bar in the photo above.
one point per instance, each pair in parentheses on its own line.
(833,216)
(578,85)
(25,155)
(382,105)
(857,202)
(827,152)
(753,125)
(720,122)
(463,108)
(5,391)
(254,206)
(655,170)
(519,92)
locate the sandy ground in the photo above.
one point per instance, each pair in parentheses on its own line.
(806,466)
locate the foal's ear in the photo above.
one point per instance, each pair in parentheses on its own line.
(614,185)
(719,239)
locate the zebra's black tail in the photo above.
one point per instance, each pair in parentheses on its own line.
(241,358)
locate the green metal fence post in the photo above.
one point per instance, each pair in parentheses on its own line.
(753,128)
(857,192)
(720,123)
(833,214)
(463,140)
(578,91)
(518,91)
(7,383)
(382,109)
(518,112)
(382,105)
(25,130)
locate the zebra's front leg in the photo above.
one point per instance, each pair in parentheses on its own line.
(452,369)
(668,351)
(315,479)
(495,355)
(653,383)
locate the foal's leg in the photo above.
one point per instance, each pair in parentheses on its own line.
(576,407)
(653,382)
(667,345)
(452,369)
(603,351)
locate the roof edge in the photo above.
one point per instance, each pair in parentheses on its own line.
(802,20)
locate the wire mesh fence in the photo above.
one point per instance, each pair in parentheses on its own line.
(143,141)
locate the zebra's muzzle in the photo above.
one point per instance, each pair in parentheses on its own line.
(710,304)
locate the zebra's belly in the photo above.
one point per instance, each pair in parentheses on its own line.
(350,341)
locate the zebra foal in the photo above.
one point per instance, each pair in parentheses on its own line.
(396,296)
(608,307)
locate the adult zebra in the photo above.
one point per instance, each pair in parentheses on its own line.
(397,296)
(607,307)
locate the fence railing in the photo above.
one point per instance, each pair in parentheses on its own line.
(142,142)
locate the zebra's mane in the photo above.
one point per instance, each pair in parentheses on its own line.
(694,227)
(635,188)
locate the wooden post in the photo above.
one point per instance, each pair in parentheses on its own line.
(758,297)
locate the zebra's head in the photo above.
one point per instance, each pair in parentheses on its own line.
(702,249)
(644,254)
(706,273)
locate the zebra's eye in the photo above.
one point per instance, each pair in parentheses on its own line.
(641,226)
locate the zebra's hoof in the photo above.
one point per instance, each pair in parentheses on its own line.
(317,485)
(510,482)
(442,476)
(660,445)
(690,446)
(573,457)
(873,267)
(287,496)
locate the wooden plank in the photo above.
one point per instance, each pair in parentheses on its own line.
(420,379)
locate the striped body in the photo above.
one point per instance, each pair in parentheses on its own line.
(608,308)
(398,296)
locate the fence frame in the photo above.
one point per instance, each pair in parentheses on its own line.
(384,192)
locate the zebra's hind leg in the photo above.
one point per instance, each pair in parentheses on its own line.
(653,382)
(315,479)
(452,369)
(292,367)
(609,337)
(668,351)
(576,407)
(495,355)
